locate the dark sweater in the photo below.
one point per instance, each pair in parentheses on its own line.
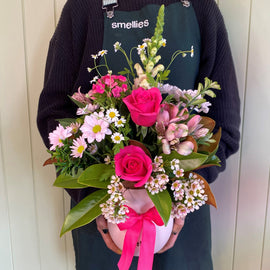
(79,34)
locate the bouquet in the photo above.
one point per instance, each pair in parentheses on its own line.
(132,131)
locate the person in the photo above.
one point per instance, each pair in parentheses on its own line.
(83,30)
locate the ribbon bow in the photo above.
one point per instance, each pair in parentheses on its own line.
(134,224)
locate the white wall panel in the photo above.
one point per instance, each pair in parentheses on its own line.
(5,234)
(39,27)
(226,186)
(255,158)
(16,140)
(266,246)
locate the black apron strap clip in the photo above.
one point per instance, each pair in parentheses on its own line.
(109,5)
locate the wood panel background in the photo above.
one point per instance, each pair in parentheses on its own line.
(32,211)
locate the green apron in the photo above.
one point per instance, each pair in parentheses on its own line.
(192,250)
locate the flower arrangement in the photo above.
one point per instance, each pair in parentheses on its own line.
(134,131)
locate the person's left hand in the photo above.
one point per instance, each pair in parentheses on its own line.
(177,227)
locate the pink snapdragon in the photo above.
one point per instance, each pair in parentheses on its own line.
(58,136)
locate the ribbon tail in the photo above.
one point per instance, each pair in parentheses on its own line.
(148,246)
(130,242)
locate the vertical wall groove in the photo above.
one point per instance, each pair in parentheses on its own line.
(30,127)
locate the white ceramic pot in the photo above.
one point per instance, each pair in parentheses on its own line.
(140,202)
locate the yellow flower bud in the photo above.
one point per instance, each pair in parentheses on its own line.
(139,69)
(153,51)
(149,66)
(157,58)
(157,69)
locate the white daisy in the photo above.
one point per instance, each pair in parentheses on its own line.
(116,46)
(117,137)
(112,115)
(102,53)
(120,122)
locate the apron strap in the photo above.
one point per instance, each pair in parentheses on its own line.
(109,5)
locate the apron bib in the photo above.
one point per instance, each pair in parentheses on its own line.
(192,250)
(181,31)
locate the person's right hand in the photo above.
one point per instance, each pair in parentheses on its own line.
(102,227)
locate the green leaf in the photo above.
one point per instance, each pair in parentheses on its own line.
(67,181)
(97,175)
(198,101)
(66,121)
(85,211)
(187,163)
(210,93)
(163,203)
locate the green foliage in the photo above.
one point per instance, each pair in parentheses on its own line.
(85,211)
(163,203)
(67,181)
(66,121)
(97,175)
(187,163)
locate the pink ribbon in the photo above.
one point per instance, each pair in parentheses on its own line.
(134,224)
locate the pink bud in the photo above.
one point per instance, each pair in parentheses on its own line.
(166,147)
(201,132)
(185,148)
(193,123)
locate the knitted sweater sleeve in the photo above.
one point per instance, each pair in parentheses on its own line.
(59,78)
(216,63)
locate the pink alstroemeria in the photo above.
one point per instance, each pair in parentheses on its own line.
(59,135)
(185,148)
(176,131)
(89,108)
(78,147)
(201,132)
(166,149)
(193,123)
(81,97)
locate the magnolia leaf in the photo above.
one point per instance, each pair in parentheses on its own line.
(49,161)
(208,122)
(211,198)
(67,181)
(187,163)
(97,175)
(163,204)
(85,211)
(212,161)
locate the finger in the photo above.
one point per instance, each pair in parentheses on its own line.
(102,228)
(177,227)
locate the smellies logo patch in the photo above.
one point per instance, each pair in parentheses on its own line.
(129,25)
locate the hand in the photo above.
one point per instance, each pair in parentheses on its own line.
(102,227)
(177,227)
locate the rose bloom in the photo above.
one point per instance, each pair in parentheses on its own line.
(144,106)
(133,164)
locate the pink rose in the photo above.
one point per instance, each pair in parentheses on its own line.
(132,164)
(144,106)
